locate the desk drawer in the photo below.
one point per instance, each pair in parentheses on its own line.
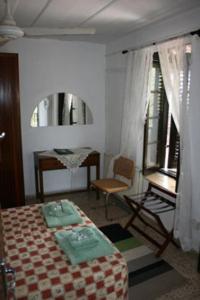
(50,163)
(91,160)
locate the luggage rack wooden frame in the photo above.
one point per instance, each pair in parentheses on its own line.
(153,205)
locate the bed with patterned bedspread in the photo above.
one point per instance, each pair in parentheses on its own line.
(43,271)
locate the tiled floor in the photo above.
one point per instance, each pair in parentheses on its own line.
(185,263)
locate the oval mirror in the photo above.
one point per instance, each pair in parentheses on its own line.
(61,109)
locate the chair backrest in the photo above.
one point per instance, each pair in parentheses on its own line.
(124,167)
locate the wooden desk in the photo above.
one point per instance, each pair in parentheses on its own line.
(44,163)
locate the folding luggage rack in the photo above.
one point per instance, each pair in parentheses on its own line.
(153,205)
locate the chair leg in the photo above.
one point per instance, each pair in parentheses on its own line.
(98,206)
(107,195)
(92,188)
(106,206)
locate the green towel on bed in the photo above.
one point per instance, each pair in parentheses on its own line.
(102,247)
(83,239)
(61,213)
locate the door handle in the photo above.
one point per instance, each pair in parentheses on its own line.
(2,135)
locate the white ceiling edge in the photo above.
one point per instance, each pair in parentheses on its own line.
(157,31)
(17,43)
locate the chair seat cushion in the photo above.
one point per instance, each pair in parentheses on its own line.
(110,185)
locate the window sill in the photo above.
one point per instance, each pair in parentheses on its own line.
(168,172)
(163,182)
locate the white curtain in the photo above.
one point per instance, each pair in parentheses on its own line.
(194,118)
(188,213)
(185,108)
(139,65)
(171,55)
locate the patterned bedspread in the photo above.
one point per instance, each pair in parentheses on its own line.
(43,271)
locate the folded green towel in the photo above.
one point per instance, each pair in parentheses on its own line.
(61,214)
(81,254)
(84,238)
(59,209)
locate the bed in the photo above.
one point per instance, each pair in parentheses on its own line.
(43,271)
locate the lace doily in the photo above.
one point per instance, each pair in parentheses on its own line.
(71,161)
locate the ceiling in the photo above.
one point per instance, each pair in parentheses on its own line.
(112,19)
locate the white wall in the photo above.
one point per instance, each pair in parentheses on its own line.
(49,66)
(115,79)
(116,66)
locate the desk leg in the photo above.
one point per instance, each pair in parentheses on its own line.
(41,187)
(97,178)
(88,177)
(36,183)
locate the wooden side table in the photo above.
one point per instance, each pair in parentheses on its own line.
(43,163)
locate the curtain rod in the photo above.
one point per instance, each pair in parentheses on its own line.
(153,44)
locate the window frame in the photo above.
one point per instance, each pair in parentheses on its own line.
(161,134)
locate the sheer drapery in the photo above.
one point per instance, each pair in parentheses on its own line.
(188,219)
(185,108)
(195,142)
(171,55)
(135,103)
(173,69)
(184,200)
(139,64)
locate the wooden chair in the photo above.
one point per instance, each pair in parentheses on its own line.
(123,167)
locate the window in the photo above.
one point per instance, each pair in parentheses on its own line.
(161,139)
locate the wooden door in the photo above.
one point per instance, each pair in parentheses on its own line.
(11,167)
